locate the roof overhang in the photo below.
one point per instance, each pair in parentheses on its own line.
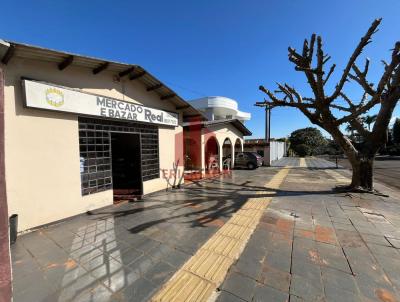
(62,60)
(234,122)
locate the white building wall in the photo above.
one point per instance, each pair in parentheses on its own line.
(275,151)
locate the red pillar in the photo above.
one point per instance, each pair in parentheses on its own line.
(5,262)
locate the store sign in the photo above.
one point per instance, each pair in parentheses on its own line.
(44,96)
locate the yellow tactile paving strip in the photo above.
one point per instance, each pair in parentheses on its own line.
(303,163)
(337,176)
(199,277)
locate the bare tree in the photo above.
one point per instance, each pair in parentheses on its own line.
(328,111)
(368,120)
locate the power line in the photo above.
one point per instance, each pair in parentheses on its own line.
(187,89)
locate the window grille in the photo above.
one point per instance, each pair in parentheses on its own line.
(95,152)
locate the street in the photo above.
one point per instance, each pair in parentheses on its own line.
(386,171)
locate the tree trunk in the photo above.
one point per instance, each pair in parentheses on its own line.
(362,177)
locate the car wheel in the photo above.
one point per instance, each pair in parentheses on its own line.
(251,166)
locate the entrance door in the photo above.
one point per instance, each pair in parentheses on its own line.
(126,166)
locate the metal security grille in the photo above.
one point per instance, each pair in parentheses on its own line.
(95,152)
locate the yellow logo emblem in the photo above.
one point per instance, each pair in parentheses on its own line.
(54,97)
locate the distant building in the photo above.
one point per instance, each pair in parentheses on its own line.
(220,108)
(270,151)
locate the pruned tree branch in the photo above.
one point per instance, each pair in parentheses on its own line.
(365,40)
(331,70)
(360,78)
(387,76)
(358,125)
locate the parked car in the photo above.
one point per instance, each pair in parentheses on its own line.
(249,160)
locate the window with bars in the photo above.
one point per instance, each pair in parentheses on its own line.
(95,152)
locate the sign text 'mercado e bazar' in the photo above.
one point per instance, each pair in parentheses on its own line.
(50,97)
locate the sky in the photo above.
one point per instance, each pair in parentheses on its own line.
(211,47)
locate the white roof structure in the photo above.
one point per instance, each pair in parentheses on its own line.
(220,108)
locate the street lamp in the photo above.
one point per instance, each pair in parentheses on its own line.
(268,108)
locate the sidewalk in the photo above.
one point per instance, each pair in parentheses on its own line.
(314,245)
(126,252)
(309,244)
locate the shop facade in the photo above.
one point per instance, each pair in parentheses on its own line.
(72,127)
(80,133)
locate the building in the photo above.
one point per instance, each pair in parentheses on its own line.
(210,145)
(225,128)
(270,151)
(220,108)
(81,133)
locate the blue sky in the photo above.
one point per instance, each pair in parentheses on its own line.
(216,47)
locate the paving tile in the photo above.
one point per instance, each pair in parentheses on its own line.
(333,294)
(303,225)
(380,240)
(240,286)
(332,256)
(350,239)
(159,272)
(375,288)
(176,258)
(133,240)
(102,264)
(24,266)
(141,265)
(342,226)
(264,293)
(384,250)
(304,233)
(307,270)
(147,245)
(85,254)
(275,278)
(333,278)
(305,289)
(305,250)
(248,267)
(118,278)
(185,247)
(394,242)
(279,261)
(98,294)
(341,220)
(61,275)
(74,288)
(293,298)
(325,234)
(225,296)
(141,290)
(127,256)
(37,243)
(253,254)
(29,281)
(37,293)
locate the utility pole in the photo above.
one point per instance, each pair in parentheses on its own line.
(267,155)
(267,119)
